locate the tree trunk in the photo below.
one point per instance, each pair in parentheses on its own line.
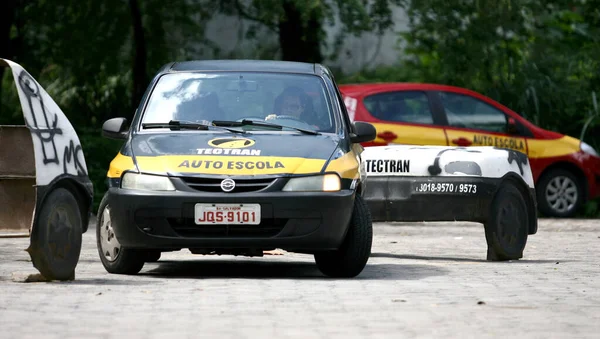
(139,57)
(300,41)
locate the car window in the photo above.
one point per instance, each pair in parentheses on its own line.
(401,106)
(468,112)
(196,97)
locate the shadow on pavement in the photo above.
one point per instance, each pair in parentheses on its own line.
(36,278)
(431,258)
(107,282)
(279,270)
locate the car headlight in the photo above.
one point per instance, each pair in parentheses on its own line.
(321,183)
(585,148)
(146,182)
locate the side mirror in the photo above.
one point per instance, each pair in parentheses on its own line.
(363,132)
(115,128)
(511,126)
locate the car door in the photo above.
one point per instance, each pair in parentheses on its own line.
(404,117)
(473,122)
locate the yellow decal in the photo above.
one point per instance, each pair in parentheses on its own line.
(237,165)
(500,141)
(412,134)
(347,166)
(539,148)
(119,164)
(231,142)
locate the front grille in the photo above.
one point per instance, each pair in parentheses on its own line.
(186,227)
(214,184)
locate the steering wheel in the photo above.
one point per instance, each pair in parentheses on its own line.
(294,122)
(254,117)
(289,117)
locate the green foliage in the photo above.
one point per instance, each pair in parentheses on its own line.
(98,152)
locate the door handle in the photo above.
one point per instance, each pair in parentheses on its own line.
(387,136)
(462,142)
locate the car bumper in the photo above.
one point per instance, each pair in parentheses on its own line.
(593,166)
(393,198)
(291,221)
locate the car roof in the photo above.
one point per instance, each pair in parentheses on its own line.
(244,65)
(389,86)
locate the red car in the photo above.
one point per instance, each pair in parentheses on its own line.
(566,170)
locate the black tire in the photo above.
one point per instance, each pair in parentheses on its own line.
(57,236)
(507,227)
(352,256)
(127,261)
(545,206)
(153,256)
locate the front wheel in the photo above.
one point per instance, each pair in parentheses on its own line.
(56,239)
(114,257)
(507,227)
(351,258)
(559,193)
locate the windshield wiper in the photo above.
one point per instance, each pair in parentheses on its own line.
(246,122)
(176,125)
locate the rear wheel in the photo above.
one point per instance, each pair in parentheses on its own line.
(114,257)
(559,193)
(507,228)
(351,258)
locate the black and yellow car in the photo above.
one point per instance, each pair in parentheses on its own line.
(237,157)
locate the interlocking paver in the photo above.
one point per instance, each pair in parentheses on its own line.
(423,280)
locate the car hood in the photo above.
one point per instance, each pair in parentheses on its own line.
(178,153)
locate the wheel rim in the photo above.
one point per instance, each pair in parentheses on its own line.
(561,194)
(108,242)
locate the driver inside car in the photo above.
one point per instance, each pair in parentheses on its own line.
(293,103)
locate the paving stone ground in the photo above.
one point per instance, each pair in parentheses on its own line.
(423,280)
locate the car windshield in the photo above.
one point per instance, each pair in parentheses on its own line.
(297,101)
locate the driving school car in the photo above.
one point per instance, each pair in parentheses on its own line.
(489,185)
(202,169)
(566,170)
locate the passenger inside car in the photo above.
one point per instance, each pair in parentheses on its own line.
(203,107)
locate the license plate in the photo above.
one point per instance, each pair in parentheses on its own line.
(227,214)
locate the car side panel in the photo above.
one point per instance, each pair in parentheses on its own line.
(390,133)
(457,136)
(408,134)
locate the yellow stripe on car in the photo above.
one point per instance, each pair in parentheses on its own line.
(238,165)
(120,164)
(347,166)
(539,148)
